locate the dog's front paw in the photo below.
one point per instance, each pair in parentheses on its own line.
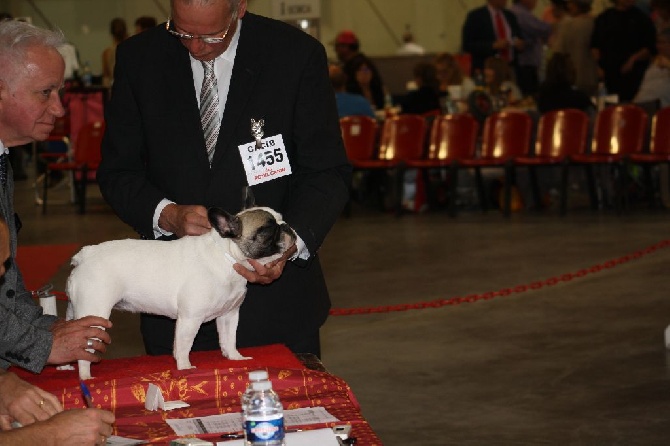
(236,356)
(185,366)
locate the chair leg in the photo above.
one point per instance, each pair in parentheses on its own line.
(480,189)
(81,195)
(453,189)
(535,187)
(507,200)
(590,179)
(399,189)
(564,188)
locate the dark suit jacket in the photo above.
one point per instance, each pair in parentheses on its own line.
(25,339)
(154,148)
(478,34)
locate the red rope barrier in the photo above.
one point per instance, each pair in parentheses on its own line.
(471,298)
(438,303)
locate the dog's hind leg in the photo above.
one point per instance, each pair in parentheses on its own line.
(184,334)
(226,325)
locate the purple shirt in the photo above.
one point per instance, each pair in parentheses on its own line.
(535,33)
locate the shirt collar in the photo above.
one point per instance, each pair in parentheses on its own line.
(3,149)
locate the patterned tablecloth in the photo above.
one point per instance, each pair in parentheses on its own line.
(214,387)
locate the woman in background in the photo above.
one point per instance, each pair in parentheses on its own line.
(499,80)
(119,32)
(558,90)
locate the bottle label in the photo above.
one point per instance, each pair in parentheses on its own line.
(267,428)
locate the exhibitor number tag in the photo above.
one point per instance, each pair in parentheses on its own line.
(265,161)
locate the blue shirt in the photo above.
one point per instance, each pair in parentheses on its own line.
(350,104)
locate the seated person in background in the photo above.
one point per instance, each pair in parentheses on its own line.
(558,90)
(348,104)
(451,77)
(656,82)
(426,98)
(499,81)
(39,411)
(364,80)
(347,48)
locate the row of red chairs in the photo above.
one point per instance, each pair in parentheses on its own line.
(618,139)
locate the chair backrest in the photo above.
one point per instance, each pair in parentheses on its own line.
(359,134)
(506,135)
(453,137)
(562,133)
(88,147)
(403,138)
(660,132)
(619,129)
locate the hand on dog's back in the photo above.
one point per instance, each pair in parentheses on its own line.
(183,220)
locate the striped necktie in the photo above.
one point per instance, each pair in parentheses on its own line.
(209,108)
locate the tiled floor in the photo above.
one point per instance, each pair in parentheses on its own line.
(578,362)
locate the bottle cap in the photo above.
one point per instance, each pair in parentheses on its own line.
(258,375)
(261,385)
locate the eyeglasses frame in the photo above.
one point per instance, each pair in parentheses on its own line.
(205,39)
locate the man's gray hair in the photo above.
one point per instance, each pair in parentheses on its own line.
(233,3)
(17,36)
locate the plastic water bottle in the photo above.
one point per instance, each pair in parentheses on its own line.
(87,77)
(602,96)
(255,376)
(263,417)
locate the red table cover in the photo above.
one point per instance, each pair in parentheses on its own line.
(214,387)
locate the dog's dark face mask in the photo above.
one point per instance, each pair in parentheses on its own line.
(255,231)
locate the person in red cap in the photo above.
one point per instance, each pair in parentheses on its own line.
(348,52)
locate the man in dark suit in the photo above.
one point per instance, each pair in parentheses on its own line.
(157,174)
(29,106)
(491,30)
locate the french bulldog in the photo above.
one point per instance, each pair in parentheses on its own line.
(190,279)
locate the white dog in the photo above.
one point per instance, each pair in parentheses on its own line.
(190,279)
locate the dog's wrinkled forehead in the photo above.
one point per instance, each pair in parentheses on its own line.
(255,218)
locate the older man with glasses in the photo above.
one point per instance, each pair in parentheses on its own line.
(217,101)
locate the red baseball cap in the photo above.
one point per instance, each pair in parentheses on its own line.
(346,37)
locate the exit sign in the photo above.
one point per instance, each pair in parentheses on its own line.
(296,9)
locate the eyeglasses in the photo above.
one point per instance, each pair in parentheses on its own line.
(206,39)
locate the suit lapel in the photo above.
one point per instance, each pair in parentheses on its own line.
(179,77)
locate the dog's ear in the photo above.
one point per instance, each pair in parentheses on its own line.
(227,225)
(249,199)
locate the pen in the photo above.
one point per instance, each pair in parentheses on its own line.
(87,394)
(239,435)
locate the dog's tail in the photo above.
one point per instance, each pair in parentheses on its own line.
(79,256)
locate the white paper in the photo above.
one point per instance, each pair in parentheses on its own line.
(120,441)
(49,305)
(232,422)
(322,437)
(154,400)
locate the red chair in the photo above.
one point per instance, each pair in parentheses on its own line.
(401,142)
(560,134)
(506,137)
(360,135)
(619,131)
(453,138)
(82,163)
(659,148)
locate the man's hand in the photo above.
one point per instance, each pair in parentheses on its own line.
(265,274)
(23,402)
(71,339)
(184,220)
